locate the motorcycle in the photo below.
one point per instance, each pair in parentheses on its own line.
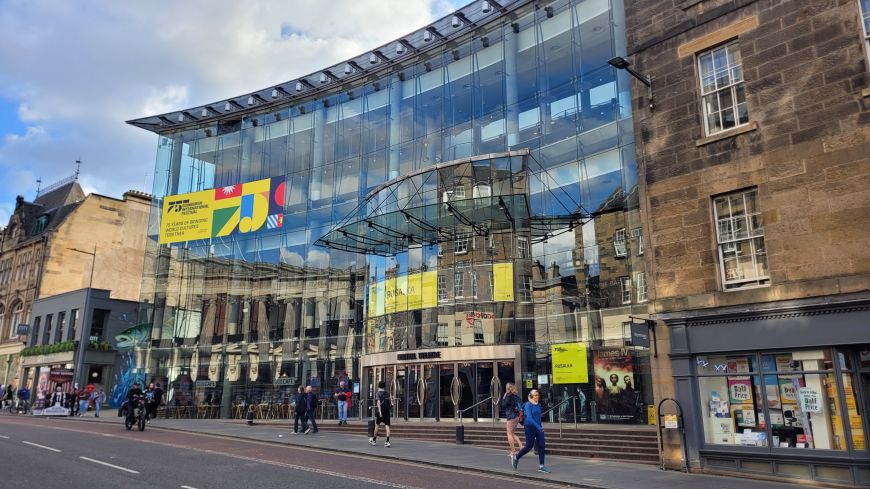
(136,415)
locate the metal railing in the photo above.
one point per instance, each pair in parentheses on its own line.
(573,400)
(474,406)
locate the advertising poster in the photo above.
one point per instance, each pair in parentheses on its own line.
(42,388)
(390,299)
(503,282)
(569,363)
(241,208)
(415,291)
(740,390)
(615,394)
(373,299)
(430,289)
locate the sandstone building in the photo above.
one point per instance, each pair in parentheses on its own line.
(755,168)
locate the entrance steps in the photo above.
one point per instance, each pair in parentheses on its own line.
(625,443)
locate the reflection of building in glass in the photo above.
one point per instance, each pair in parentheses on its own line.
(435,214)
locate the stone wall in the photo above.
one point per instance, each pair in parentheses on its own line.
(806,149)
(117,228)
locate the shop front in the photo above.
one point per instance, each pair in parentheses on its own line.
(782,395)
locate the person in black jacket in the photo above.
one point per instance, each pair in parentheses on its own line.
(310,408)
(299,411)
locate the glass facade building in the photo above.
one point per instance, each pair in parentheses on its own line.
(442,210)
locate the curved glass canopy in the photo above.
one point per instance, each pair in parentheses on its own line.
(474,195)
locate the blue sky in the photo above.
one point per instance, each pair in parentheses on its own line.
(71,73)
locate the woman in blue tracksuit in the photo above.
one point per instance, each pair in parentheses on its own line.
(534,432)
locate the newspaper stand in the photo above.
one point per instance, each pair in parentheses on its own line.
(669,424)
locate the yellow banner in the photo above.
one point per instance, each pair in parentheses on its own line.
(569,363)
(503,282)
(390,301)
(415,291)
(430,289)
(241,208)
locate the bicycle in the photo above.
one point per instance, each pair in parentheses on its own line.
(136,416)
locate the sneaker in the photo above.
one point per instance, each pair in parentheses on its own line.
(372,442)
(308,431)
(387,444)
(514,461)
(544,469)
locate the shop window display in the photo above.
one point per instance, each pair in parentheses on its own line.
(795,400)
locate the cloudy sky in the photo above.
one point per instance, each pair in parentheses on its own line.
(71,73)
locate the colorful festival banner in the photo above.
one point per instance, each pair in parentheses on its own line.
(503,282)
(569,363)
(235,209)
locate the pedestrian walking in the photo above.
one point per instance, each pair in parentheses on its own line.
(82,395)
(299,412)
(310,409)
(534,431)
(10,393)
(383,409)
(343,395)
(99,397)
(510,405)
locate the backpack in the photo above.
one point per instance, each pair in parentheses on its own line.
(521,413)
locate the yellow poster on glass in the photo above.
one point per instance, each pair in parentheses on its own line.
(430,289)
(569,363)
(401,293)
(415,291)
(503,282)
(390,299)
(380,298)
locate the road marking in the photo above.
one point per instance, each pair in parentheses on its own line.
(41,446)
(187,487)
(4,437)
(109,465)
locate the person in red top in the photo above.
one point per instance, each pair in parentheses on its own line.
(343,395)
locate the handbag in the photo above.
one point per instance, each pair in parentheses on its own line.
(521,414)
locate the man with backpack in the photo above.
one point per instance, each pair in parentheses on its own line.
(343,396)
(383,409)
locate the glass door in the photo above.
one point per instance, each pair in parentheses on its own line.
(430,395)
(468,387)
(485,390)
(400,391)
(448,410)
(413,391)
(506,375)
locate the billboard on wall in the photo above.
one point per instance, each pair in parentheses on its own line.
(403,293)
(235,209)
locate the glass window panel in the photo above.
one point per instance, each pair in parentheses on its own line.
(730,410)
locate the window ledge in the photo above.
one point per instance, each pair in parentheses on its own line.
(865,92)
(730,133)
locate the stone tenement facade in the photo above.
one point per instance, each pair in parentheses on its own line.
(755,169)
(37,258)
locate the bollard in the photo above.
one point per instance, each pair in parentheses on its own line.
(371,428)
(250,417)
(460,435)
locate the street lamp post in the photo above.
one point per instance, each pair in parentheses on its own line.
(86,318)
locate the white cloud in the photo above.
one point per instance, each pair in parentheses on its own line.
(79,70)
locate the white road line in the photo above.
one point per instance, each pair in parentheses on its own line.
(4,437)
(109,465)
(187,487)
(41,446)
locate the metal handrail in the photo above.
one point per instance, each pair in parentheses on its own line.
(472,407)
(573,400)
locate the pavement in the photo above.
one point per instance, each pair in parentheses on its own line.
(567,471)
